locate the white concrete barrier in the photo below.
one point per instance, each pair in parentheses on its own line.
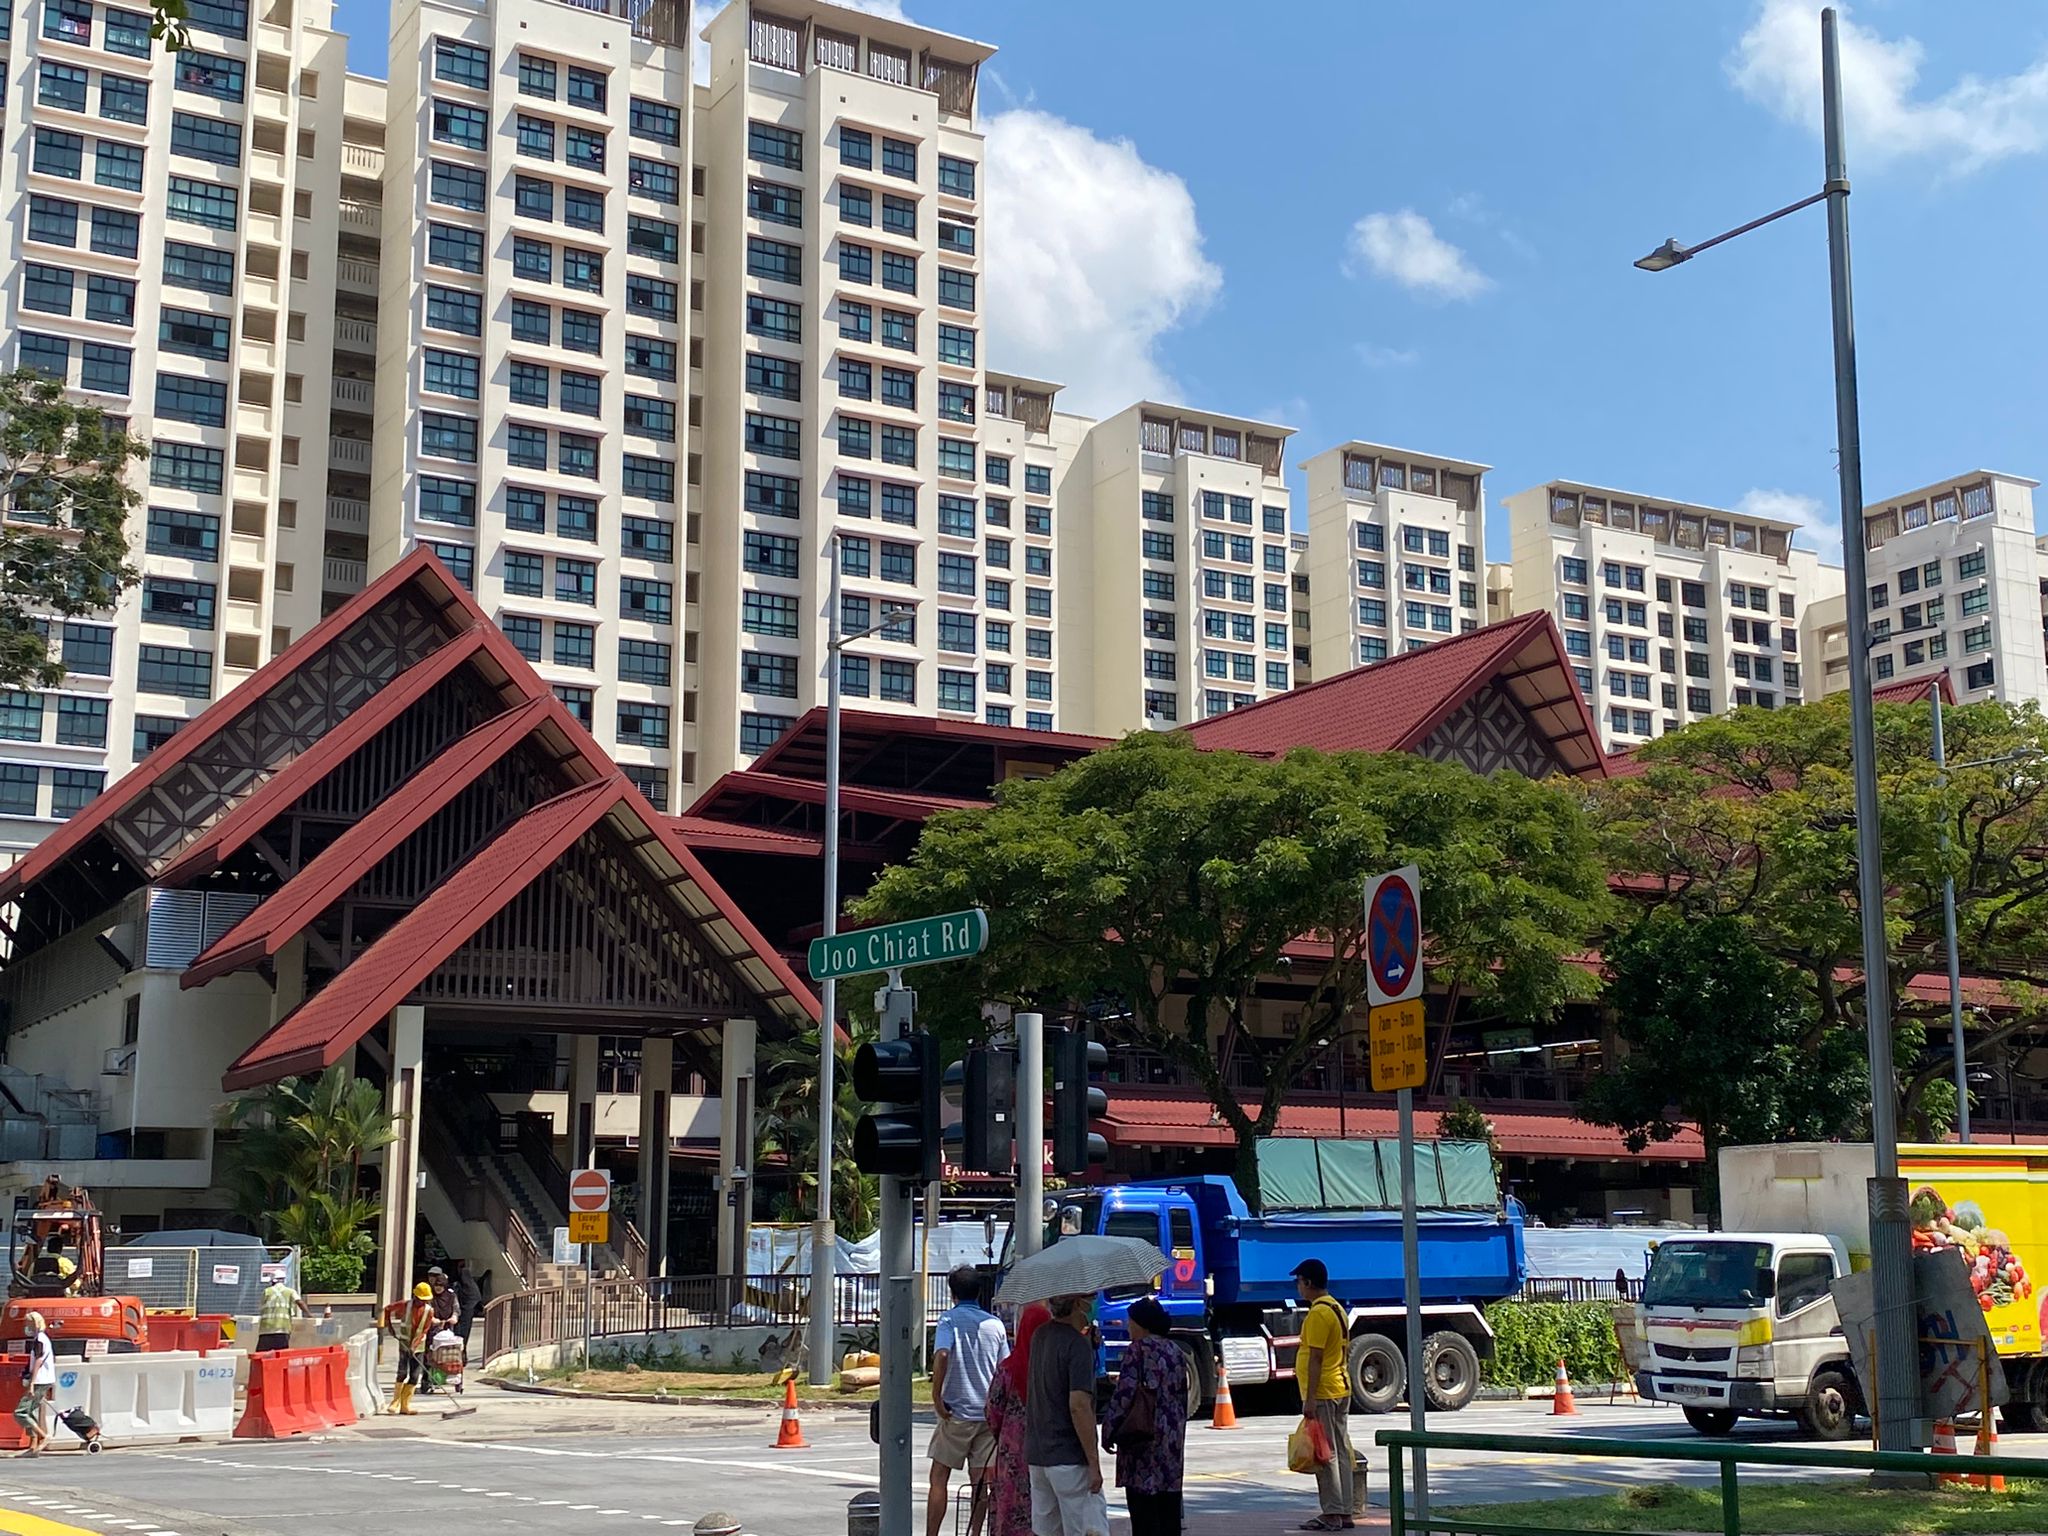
(363,1388)
(153,1396)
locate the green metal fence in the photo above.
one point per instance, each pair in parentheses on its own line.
(1730,1456)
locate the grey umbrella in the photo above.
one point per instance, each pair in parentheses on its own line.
(1080,1266)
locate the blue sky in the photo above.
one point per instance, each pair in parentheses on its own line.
(1414,223)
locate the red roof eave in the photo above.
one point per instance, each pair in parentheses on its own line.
(421,564)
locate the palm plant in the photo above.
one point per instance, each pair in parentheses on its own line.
(788,1126)
(294,1167)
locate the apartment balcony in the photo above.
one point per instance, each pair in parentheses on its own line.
(344,576)
(352,335)
(349,453)
(363,160)
(361,218)
(353,276)
(345,514)
(352,395)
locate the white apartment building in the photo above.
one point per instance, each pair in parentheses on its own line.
(1955,573)
(844,393)
(1397,548)
(532,333)
(1670,611)
(172,253)
(1179,591)
(1500,590)
(1304,651)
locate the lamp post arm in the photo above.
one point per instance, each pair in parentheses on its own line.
(1769,218)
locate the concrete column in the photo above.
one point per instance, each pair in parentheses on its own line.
(581,1131)
(402,1155)
(657,1071)
(736,1144)
(288,990)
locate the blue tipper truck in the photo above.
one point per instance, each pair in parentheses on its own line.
(1230,1288)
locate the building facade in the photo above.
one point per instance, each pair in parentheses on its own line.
(1175,525)
(1955,574)
(1670,611)
(844,383)
(1396,552)
(172,255)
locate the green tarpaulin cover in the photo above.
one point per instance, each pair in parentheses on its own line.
(1301,1173)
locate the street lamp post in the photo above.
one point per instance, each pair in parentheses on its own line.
(1897,1409)
(824,1235)
(1948,924)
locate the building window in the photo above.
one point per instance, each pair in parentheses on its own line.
(200,202)
(575,645)
(773,145)
(468,65)
(444,500)
(575,580)
(641,597)
(646,661)
(209,74)
(956,345)
(956,176)
(767,672)
(643,725)
(467,127)
(174,670)
(772,554)
(773,203)
(186,466)
(655,120)
(460,250)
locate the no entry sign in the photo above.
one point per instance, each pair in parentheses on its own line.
(590,1204)
(1393,936)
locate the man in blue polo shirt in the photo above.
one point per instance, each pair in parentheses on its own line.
(967,1348)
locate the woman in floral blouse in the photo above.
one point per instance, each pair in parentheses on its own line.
(1149,1469)
(1009,1479)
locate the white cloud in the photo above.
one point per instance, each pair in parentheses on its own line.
(1820,528)
(1386,357)
(1406,248)
(1093,256)
(1887,116)
(702,12)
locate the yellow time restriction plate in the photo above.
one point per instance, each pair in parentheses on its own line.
(1397,1041)
(590,1226)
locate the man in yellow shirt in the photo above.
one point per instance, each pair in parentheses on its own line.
(1321,1369)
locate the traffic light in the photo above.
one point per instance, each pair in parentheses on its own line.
(984,1087)
(1076,1101)
(899,1137)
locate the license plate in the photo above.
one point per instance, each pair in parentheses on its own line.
(1686,1389)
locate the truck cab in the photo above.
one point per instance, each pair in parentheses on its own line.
(1166,1215)
(1743,1323)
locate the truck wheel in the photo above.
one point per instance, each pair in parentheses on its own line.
(1450,1371)
(1830,1411)
(1379,1374)
(1711,1421)
(2027,1410)
(1199,1388)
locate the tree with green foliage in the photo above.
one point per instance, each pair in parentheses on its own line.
(294,1169)
(64,505)
(1751,816)
(1159,888)
(787,1128)
(1718,1034)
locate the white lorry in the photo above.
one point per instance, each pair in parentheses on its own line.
(1741,1322)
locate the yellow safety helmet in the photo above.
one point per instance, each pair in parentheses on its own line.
(423,1291)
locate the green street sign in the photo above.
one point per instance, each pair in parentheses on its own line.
(921,941)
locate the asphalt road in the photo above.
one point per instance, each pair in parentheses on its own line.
(541,1465)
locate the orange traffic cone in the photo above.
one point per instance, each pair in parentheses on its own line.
(791,1436)
(1987,1445)
(1562,1404)
(1945,1445)
(1223,1415)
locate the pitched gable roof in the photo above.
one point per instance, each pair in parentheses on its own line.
(1395,705)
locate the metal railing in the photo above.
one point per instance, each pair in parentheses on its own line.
(555,1314)
(1728,1456)
(1568,1290)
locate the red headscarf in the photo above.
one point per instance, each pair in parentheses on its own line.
(1034,1317)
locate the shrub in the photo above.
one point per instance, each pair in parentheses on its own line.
(1530,1337)
(333,1270)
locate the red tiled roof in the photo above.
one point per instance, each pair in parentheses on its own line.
(418,567)
(1394,705)
(277,793)
(732,837)
(1178,1118)
(287,911)
(314,1035)
(1913,690)
(858,722)
(908,805)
